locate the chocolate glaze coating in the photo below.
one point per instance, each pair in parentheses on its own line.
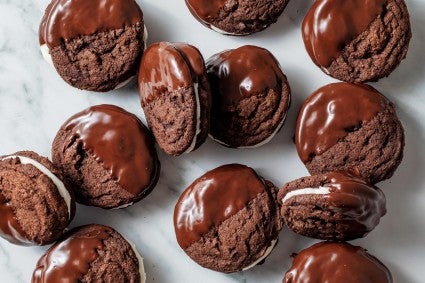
(336,263)
(175,96)
(250,94)
(168,66)
(350,209)
(65,20)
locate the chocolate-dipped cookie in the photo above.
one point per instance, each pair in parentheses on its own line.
(108,156)
(94,45)
(335,263)
(227,220)
(175,96)
(357,40)
(333,206)
(250,94)
(91,253)
(35,204)
(350,127)
(239,17)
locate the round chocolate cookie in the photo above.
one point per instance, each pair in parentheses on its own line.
(108,156)
(236,17)
(357,40)
(35,205)
(333,206)
(227,220)
(175,96)
(350,127)
(250,96)
(91,253)
(94,45)
(335,263)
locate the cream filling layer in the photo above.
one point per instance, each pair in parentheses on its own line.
(216,29)
(145,36)
(306,191)
(198,118)
(124,205)
(45,51)
(266,253)
(58,183)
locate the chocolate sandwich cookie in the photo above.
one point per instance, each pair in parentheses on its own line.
(250,96)
(350,127)
(357,40)
(175,96)
(108,156)
(91,253)
(236,17)
(227,220)
(335,263)
(35,204)
(94,45)
(333,206)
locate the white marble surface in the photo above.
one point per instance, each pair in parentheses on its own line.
(34,102)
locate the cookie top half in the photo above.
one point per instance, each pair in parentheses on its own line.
(227,220)
(250,96)
(94,45)
(344,126)
(108,155)
(357,40)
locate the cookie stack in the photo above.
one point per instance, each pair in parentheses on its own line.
(348,136)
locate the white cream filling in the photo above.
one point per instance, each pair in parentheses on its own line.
(58,183)
(139,259)
(145,36)
(266,253)
(45,51)
(306,191)
(216,29)
(198,118)
(124,205)
(124,83)
(325,70)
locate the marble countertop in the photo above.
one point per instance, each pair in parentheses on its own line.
(34,102)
